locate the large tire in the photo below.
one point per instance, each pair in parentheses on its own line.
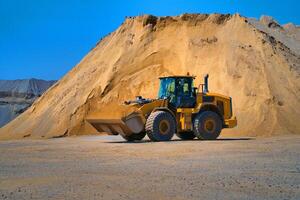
(134,137)
(207,125)
(160,126)
(186,135)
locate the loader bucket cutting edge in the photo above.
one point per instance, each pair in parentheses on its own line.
(131,125)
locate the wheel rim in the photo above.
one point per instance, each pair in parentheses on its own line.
(164,127)
(209,125)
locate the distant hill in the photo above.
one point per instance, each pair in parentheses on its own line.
(17,95)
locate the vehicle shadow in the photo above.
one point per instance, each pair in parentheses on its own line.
(180,140)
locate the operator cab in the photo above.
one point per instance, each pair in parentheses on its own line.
(179,90)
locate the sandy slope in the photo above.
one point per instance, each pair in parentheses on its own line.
(244,61)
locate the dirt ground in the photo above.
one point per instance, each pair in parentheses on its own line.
(105,167)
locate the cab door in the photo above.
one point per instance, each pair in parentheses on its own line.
(184,93)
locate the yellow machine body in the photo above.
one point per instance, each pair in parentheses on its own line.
(134,122)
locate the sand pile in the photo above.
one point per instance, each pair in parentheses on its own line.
(257,64)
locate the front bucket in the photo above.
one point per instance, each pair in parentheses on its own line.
(133,123)
(110,126)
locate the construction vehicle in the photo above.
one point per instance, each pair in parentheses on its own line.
(180,109)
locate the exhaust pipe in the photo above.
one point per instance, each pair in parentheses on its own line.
(206,83)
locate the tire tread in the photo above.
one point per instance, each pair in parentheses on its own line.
(150,124)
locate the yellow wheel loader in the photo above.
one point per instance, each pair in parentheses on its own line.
(180,108)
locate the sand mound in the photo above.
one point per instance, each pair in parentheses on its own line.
(258,69)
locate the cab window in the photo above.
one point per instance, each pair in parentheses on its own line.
(184,87)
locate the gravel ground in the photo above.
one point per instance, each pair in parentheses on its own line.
(105,167)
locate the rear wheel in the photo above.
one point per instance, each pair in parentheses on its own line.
(186,135)
(207,125)
(133,137)
(160,126)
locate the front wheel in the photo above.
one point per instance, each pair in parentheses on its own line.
(207,125)
(160,126)
(133,137)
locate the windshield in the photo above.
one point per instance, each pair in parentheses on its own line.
(167,88)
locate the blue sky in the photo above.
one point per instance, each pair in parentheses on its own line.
(46,38)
